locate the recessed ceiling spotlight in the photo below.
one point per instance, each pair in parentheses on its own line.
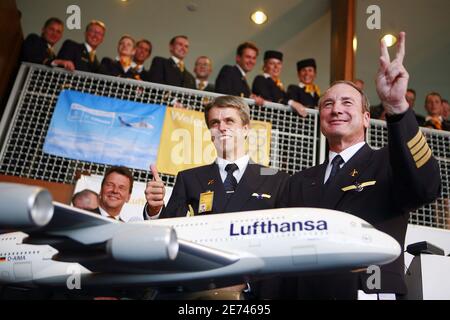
(258,17)
(192,7)
(390,40)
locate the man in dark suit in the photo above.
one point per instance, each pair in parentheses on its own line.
(202,71)
(143,52)
(232,79)
(379,186)
(117,185)
(172,71)
(83,55)
(269,86)
(306,92)
(40,49)
(232,183)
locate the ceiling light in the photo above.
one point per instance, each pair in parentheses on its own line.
(259,17)
(390,40)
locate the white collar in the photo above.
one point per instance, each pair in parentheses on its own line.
(301,85)
(347,154)
(107,215)
(430,117)
(242,163)
(88,47)
(177,61)
(138,67)
(241,70)
(266,75)
(197,82)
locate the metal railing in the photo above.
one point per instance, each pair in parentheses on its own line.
(295,142)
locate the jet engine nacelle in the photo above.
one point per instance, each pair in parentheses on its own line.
(143,244)
(23,206)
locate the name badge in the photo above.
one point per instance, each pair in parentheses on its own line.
(206,202)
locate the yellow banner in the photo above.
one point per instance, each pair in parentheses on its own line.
(186,142)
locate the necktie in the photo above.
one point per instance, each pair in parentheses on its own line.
(92,56)
(335,166)
(230,182)
(125,62)
(181,66)
(201,85)
(51,53)
(312,88)
(279,84)
(437,124)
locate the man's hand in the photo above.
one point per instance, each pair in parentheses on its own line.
(299,108)
(259,101)
(392,79)
(154,193)
(66,64)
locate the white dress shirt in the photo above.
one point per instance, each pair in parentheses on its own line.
(241,163)
(346,155)
(107,215)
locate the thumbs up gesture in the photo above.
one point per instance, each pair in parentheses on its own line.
(154,193)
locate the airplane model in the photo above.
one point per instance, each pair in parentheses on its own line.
(139,125)
(57,242)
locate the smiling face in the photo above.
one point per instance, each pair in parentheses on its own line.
(307,75)
(247,60)
(343,119)
(114,193)
(202,68)
(179,48)
(228,132)
(273,67)
(53,33)
(94,35)
(143,51)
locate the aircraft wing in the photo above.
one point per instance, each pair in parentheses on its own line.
(114,253)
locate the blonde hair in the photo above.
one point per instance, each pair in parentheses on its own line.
(230,102)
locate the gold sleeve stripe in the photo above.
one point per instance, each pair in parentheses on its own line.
(418,146)
(421,153)
(414,140)
(424,160)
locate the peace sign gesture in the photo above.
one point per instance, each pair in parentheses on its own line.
(392,79)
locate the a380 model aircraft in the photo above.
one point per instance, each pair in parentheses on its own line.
(56,242)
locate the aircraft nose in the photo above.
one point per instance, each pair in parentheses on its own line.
(391,248)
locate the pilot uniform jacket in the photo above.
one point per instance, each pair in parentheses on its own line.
(268,90)
(406,177)
(79,55)
(298,94)
(247,196)
(114,68)
(35,49)
(166,71)
(230,81)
